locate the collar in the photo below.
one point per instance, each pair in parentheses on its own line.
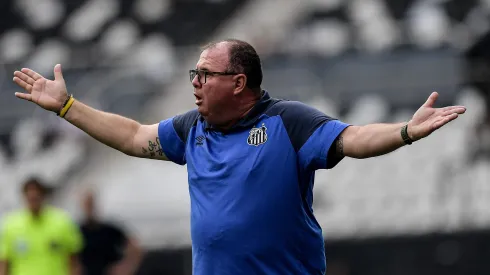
(248,120)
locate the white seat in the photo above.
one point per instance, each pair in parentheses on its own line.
(154,55)
(26,138)
(368,109)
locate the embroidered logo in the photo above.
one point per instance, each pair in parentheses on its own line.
(257,136)
(200,140)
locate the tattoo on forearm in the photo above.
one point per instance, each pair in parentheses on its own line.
(153,149)
(340,147)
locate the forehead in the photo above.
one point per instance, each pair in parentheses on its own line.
(214,58)
(33,189)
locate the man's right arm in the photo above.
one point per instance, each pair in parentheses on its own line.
(118,132)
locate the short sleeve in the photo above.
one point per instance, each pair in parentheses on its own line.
(173,133)
(314,153)
(72,237)
(311,132)
(5,250)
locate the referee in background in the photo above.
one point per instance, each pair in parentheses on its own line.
(39,240)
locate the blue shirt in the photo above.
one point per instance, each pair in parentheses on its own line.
(251,187)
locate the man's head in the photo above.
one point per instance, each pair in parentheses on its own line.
(227,81)
(88,205)
(34,193)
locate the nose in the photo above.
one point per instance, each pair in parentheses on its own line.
(195,82)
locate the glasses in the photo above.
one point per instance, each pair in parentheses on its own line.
(204,74)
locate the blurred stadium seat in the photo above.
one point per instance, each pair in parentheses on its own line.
(117,53)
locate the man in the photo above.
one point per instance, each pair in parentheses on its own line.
(251,159)
(40,240)
(107,249)
(477,70)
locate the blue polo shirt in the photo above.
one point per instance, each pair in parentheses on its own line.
(251,187)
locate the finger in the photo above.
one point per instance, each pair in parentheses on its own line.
(456,110)
(31,73)
(441,122)
(431,100)
(58,75)
(453,108)
(24,77)
(24,96)
(23,84)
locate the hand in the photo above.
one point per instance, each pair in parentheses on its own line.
(428,119)
(48,94)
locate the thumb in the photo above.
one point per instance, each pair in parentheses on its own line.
(431,100)
(58,75)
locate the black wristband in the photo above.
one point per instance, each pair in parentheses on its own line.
(64,104)
(405,137)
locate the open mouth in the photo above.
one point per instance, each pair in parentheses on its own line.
(198,99)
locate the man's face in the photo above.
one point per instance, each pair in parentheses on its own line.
(88,206)
(215,96)
(34,198)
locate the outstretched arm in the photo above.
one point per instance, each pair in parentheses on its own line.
(120,133)
(378,139)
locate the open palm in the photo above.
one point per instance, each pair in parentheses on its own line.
(48,94)
(427,119)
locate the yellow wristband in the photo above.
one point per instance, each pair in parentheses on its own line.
(67,107)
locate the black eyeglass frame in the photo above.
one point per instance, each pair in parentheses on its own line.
(193,73)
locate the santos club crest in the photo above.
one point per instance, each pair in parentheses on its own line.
(257,136)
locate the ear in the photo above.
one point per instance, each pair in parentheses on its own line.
(240,83)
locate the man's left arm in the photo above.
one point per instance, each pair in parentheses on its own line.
(131,258)
(378,139)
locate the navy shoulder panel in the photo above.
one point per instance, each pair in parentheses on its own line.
(184,122)
(300,120)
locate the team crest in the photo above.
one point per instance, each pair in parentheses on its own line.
(257,136)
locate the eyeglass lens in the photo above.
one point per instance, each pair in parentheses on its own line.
(193,73)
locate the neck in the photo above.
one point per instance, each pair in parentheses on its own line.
(241,113)
(90,219)
(90,222)
(36,213)
(242,105)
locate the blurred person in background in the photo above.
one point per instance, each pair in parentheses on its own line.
(251,159)
(40,240)
(108,249)
(477,61)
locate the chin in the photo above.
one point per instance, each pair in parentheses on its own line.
(202,111)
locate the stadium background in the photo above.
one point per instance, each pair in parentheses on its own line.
(421,210)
